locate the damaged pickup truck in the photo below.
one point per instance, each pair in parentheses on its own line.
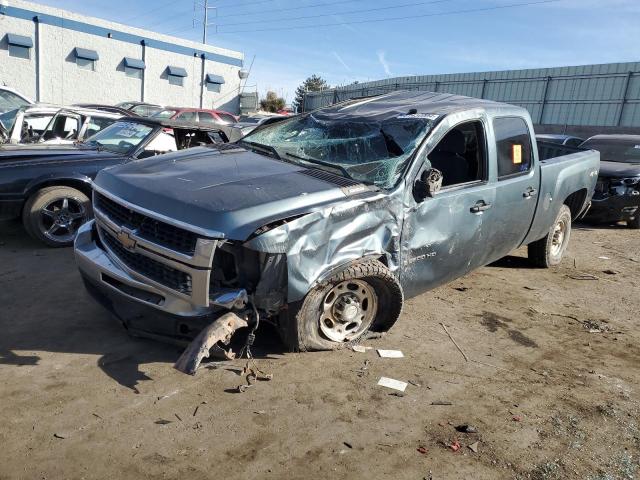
(326,222)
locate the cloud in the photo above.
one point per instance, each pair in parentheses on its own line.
(342,62)
(383,61)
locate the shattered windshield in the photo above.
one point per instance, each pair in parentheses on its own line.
(120,137)
(361,148)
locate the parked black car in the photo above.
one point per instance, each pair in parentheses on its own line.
(50,185)
(567,140)
(617,195)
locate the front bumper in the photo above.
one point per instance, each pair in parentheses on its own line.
(144,309)
(613,208)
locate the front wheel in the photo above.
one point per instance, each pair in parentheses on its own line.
(54,214)
(340,311)
(635,221)
(548,251)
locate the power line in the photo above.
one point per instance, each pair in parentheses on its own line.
(245,4)
(145,14)
(349,12)
(301,7)
(391,19)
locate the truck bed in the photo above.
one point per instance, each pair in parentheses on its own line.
(567,175)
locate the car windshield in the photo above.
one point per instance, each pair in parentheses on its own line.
(615,150)
(120,137)
(165,114)
(366,150)
(248,119)
(11,101)
(7,119)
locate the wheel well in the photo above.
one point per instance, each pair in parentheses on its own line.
(575,202)
(81,185)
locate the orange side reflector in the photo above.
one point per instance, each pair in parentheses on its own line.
(516,154)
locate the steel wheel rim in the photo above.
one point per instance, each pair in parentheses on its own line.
(557,239)
(60,219)
(348,310)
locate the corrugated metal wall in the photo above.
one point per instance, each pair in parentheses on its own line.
(598,95)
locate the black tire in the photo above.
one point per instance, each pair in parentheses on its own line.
(46,207)
(635,222)
(548,251)
(301,329)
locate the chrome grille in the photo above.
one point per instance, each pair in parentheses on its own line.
(146,227)
(152,269)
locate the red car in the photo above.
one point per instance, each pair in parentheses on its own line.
(197,115)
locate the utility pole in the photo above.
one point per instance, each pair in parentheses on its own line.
(205,21)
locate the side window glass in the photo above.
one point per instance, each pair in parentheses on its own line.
(188,116)
(206,117)
(513,144)
(461,154)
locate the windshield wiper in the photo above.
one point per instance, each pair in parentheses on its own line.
(320,162)
(260,148)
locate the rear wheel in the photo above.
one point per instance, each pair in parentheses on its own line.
(548,251)
(340,311)
(54,214)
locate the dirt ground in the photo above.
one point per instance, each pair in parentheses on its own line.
(551,384)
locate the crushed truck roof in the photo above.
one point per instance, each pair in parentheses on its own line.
(404,103)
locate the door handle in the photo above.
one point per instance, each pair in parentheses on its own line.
(480,207)
(529,192)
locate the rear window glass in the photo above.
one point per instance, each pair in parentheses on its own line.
(513,146)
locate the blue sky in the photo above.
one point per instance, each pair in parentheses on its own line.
(564,32)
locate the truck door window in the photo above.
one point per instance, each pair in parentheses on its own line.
(513,143)
(461,155)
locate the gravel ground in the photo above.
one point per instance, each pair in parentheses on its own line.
(551,384)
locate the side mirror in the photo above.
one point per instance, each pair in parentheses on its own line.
(428,184)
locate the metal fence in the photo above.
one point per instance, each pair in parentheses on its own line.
(598,95)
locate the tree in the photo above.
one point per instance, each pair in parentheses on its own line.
(272,102)
(314,83)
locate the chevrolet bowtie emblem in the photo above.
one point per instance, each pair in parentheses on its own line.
(124,237)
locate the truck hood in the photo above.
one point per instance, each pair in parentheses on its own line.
(230,192)
(619,169)
(30,155)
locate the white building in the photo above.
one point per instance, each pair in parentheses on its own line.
(60,57)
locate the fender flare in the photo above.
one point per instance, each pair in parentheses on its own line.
(75,180)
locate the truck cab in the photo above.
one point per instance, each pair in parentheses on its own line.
(328,221)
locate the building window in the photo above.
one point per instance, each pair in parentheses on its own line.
(176,80)
(19,46)
(133,67)
(176,75)
(133,72)
(19,51)
(86,59)
(86,64)
(214,82)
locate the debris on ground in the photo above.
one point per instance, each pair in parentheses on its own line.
(466,429)
(390,353)
(251,372)
(422,450)
(441,402)
(473,447)
(397,394)
(162,422)
(347,444)
(455,446)
(461,289)
(582,276)
(177,416)
(604,258)
(414,383)
(516,418)
(594,327)
(391,383)
(359,348)
(610,272)
(59,435)
(364,369)
(220,330)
